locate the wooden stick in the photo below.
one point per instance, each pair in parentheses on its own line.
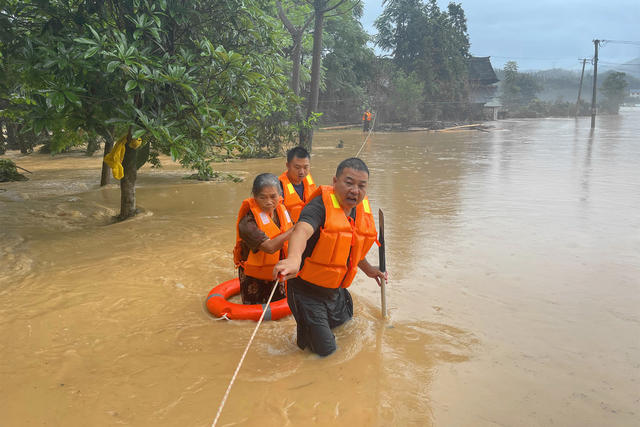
(23,169)
(383,267)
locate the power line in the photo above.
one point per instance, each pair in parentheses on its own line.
(621,42)
(617,63)
(527,57)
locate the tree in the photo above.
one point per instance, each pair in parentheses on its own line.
(296,19)
(192,78)
(406,97)
(518,89)
(614,88)
(401,30)
(320,9)
(434,45)
(348,65)
(15,29)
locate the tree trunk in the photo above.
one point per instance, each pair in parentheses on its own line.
(2,140)
(306,135)
(295,59)
(108,145)
(12,136)
(316,61)
(26,140)
(128,182)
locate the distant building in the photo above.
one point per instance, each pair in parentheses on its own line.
(483,88)
(634,93)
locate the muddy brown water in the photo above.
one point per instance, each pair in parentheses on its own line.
(514,297)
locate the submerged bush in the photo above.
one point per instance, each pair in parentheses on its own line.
(9,172)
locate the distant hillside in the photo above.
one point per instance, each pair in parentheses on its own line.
(559,84)
(631,68)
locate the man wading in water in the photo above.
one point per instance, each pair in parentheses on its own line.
(296,182)
(330,241)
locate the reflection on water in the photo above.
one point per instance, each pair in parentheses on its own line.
(514,298)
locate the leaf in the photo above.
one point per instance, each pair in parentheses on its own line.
(131,84)
(138,133)
(38,126)
(72,97)
(91,51)
(57,99)
(155,33)
(143,154)
(84,41)
(112,66)
(95,34)
(174,153)
(252,76)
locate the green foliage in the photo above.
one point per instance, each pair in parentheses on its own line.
(195,78)
(518,89)
(537,108)
(433,44)
(614,88)
(348,65)
(9,172)
(406,98)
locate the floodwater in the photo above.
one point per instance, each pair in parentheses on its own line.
(514,295)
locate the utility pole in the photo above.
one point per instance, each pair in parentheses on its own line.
(584,61)
(596,43)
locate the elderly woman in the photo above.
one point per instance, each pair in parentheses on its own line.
(262,231)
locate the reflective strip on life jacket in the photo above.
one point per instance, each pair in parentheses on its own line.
(342,243)
(260,264)
(292,201)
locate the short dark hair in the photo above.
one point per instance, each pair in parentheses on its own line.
(299,152)
(353,163)
(265,180)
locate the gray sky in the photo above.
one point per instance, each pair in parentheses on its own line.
(543,34)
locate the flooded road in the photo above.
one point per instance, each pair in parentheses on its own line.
(514,295)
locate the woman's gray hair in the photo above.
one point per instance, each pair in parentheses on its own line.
(265,180)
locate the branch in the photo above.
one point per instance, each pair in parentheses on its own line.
(284,19)
(337,5)
(338,13)
(308,21)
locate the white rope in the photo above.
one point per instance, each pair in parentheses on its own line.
(223,317)
(375,116)
(226,393)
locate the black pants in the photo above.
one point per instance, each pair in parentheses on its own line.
(365,126)
(317,311)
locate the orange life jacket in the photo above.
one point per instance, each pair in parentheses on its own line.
(260,264)
(292,201)
(342,243)
(366,116)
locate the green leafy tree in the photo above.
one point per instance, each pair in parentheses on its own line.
(192,78)
(614,89)
(296,18)
(433,44)
(348,69)
(322,9)
(518,89)
(15,29)
(406,97)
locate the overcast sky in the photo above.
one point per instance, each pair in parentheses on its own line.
(543,34)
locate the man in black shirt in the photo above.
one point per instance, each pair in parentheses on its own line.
(320,308)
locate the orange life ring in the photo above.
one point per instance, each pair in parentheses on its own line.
(218,305)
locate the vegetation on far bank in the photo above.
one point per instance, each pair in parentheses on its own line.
(207,80)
